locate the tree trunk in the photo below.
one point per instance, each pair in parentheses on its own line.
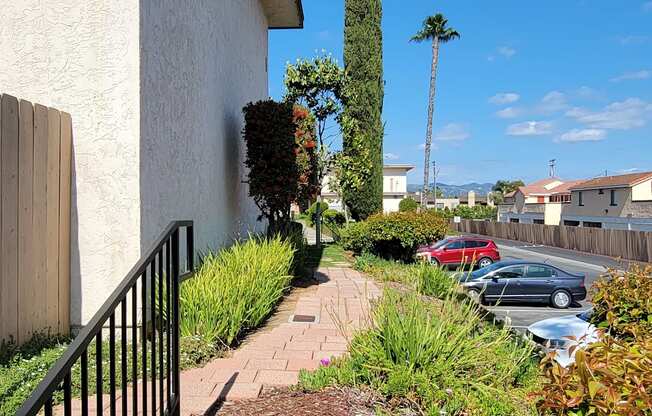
(431,111)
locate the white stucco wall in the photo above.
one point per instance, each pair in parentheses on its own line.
(201,63)
(394,179)
(155,90)
(81,56)
(642,191)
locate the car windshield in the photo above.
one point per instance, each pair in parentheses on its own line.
(586,315)
(483,271)
(440,243)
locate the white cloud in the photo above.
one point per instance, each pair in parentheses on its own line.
(583,135)
(633,39)
(642,74)
(504,98)
(622,115)
(506,51)
(391,156)
(452,132)
(530,128)
(552,102)
(508,112)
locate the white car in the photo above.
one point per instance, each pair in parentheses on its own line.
(555,333)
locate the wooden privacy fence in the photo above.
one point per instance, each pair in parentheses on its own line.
(35,178)
(630,245)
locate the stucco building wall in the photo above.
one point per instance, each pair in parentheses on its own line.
(155,90)
(82,57)
(201,63)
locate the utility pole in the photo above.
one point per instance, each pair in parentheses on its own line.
(552,163)
(434,175)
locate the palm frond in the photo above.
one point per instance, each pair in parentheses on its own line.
(435,27)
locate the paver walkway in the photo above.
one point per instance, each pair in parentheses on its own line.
(274,355)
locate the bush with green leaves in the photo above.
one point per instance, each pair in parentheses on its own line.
(408,205)
(333,218)
(394,236)
(236,289)
(312,212)
(476,212)
(440,356)
(611,376)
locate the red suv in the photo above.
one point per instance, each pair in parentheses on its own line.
(461,250)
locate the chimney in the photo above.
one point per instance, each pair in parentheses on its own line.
(471,198)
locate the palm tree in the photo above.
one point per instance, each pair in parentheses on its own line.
(434,29)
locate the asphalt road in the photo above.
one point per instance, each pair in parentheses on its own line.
(524,314)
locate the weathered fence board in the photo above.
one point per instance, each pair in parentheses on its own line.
(35,185)
(630,245)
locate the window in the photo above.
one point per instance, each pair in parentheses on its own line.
(540,272)
(513,272)
(580,202)
(561,198)
(536,221)
(592,224)
(514,220)
(540,200)
(612,195)
(455,245)
(572,223)
(471,244)
(601,192)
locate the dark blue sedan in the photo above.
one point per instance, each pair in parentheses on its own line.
(524,281)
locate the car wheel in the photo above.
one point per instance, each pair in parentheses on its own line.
(484,262)
(475,296)
(434,262)
(561,299)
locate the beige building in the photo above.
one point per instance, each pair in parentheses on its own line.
(394,188)
(155,89)
(540,202)
(622,202)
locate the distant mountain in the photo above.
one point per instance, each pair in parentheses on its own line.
(457,190)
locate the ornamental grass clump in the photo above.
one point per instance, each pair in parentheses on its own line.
(437,356)
(235,289)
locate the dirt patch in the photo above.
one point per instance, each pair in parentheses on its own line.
(328,402)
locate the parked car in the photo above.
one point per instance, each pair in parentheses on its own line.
(524,281)
(559,334)
(456,251)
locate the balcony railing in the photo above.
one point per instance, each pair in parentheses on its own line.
(149,347)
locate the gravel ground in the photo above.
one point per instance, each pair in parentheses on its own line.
(328,402)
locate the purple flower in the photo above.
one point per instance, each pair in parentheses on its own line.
(325,362)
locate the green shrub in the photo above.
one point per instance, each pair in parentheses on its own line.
(394,236)
(235,290)
(312,212)
(476,212)
(333,218)
(408,205)
(438,355)
(611,376)
(622,302)
(196,350)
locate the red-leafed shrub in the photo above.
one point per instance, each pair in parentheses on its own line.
(613,376)
(273,176)
(306,152)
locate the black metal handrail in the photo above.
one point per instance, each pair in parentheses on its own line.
(159,274)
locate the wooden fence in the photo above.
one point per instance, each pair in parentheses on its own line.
(35,180)
(630,245)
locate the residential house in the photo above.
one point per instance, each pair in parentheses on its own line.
(622,202)
(155,90)
(394,188)
(535,203)
(470,199)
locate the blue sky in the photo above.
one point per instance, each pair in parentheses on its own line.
(525,83)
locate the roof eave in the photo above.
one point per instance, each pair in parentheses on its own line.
(283,14)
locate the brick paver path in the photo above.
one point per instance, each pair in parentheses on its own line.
(274,355)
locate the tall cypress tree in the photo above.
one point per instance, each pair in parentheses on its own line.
(362,120)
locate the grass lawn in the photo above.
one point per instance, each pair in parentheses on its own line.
(329,255)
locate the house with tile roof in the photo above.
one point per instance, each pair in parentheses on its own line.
(537,203)
(622,202)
